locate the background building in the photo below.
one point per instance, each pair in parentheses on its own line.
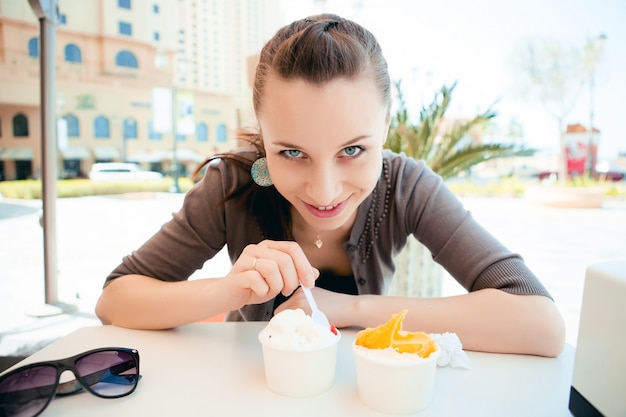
(110,56)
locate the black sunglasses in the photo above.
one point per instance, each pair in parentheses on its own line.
(105,372)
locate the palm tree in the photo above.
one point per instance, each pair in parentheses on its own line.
(447,151)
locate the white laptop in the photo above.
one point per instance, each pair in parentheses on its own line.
(599,380)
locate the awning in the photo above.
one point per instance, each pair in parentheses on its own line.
(183,154)
(75,152)
(106,152)
(17,153)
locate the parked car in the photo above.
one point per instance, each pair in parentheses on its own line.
(121,171)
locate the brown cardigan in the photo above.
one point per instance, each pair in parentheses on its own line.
(409,199)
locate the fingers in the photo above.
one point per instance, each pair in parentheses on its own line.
(282,265)
(283,279)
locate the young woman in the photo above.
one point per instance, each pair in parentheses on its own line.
(316,201)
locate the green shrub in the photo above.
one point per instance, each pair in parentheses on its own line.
(31,189)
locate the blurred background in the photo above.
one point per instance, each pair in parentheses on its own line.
(159,85)
(546,68)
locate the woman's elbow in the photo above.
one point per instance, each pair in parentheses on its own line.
(101,311)
(551,331)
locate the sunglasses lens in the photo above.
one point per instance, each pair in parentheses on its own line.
(111,373)
(27,393)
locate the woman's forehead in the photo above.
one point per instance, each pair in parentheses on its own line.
(301,114)
(363,81)
(295,97)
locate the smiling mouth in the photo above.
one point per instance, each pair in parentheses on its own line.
(326,211)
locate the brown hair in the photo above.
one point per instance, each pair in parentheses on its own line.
(317,49)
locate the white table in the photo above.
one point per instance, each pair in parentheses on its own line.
(216,369)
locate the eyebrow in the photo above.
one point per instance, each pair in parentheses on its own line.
(347,143)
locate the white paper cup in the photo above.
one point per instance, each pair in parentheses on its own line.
(392,384)
(302,372)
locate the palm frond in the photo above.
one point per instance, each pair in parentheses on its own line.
(448,151)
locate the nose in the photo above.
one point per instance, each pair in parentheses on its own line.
(324,184)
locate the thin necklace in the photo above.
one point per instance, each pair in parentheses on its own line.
(318,241)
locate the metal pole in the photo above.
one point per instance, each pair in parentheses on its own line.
(49,160)
(47,13)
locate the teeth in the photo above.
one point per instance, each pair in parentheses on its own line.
(325,208)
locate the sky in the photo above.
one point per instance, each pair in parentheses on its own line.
(432,43)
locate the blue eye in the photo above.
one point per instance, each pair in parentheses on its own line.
(292,153)
(352,150)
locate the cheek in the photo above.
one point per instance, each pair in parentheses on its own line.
(365,175)
(282,173)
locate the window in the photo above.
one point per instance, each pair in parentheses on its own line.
(63,19)
(73,130)
(101,127)
(72,53)
(130,128)
(152,135)
(23,169)
(33,47)
(125,28)
(126,59)
(221,133)
(157,36)
(202,132)
(123,4)
(20,125)
(155,8)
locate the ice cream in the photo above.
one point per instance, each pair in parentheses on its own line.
(395,368)
(389,340)
(295,330)
(299,355)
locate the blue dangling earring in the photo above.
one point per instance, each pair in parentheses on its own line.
(260,174)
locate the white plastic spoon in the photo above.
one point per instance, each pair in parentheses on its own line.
(316,313)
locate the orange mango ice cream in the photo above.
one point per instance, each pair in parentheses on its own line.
(391,335)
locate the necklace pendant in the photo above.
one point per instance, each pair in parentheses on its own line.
(318,242)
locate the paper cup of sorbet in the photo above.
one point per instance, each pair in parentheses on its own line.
(395,383)
(302,371)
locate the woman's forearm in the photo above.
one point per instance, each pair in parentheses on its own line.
(141,302)
(488,320)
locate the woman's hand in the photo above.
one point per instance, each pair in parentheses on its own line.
(266,269)
(334,305)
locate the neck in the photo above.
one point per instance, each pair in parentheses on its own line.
(307,236)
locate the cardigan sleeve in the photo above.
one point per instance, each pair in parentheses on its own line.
(472,255)
(194,234)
